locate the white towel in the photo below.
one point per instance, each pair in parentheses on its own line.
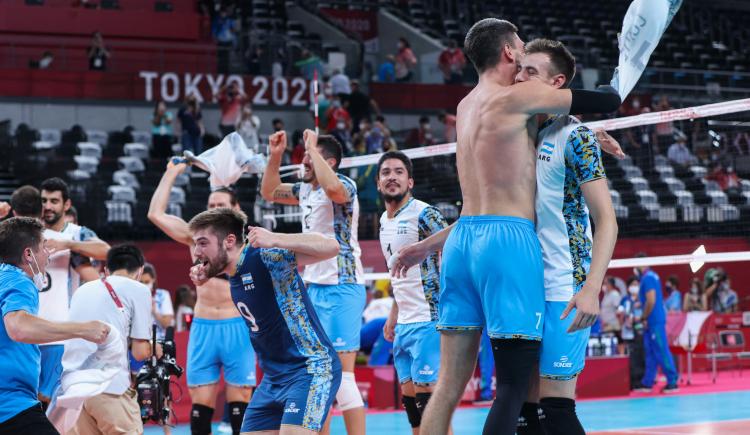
(227,161)
(644,23)
(88,370)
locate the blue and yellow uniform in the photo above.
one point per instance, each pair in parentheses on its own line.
(568,156)
(301,369)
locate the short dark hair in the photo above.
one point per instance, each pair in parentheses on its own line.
(26,201)
(276,121)
(17,234)
(398,155)
(56,184)
(424,119)
(331,148)
(561,59)
(229,191)
(222,221)
(674,281)
(126,256)
(486,40)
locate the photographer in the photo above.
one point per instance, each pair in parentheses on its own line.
(122,301)
(719,294)
(22,275)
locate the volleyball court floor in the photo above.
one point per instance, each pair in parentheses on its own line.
(701,408)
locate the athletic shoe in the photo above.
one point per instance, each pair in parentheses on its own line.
(642,388)
(670,389)
(224,427)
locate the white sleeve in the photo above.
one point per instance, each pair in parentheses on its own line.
(166,308)
(142,318)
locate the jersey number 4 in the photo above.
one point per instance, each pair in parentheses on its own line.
(245,312)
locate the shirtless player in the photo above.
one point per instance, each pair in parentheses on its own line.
(502,288)
(219,336)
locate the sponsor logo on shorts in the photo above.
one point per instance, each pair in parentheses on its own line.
(427,370)
(563,363)
(339,342)
(247,282)
(292,408)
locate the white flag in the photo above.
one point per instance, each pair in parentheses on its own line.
(642,28)
(227,161)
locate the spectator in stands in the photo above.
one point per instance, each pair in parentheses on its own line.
(47,58)
(361,106)
(694,299)
(422,135)
(664,130)
(386,70)
(308,64)
(248,127)
(719,294)
(185,302)
(277,124)
(343,135)
(726,178)
(699,138)
(192,125)
(161,301)
(673,299)
(71,215)
(255,62)
(380,127)
(223,30)
(405,61)
(298,150)
(338,115)
(371,336)
(679,153)
(161,132)
(608,311)
(340,84)
(639,143)
(98,53)
(449,122)
(737,143)
(452,63)
(231,99)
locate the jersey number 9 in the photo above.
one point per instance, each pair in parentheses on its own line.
(245,311)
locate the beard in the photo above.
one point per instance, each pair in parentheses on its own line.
(397,197)
(54,219)
(217,265)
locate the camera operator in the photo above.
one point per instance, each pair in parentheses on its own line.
(122,301)
(22,275)
(719,293)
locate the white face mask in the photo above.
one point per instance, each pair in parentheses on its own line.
(39,278)
(633,289)
(341,126)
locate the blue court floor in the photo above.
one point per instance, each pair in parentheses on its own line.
(599,415)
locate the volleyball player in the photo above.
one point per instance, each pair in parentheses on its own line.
(336,286)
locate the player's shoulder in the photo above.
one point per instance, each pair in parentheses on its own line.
(275,256)
(346,180)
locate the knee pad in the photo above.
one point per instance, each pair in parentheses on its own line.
(559,416)
(412,411)
(200,419)
(348,395)
(422,399)
(236,416)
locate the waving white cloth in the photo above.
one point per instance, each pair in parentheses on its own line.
(227,161)
(88,370)
(644,23)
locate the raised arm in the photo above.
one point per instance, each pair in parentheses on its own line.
(309,248)
(533,98)
(271,187)
(329,181)
(173,226)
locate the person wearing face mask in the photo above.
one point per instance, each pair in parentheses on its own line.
(405,61)
(673,300)
(655,335)
(162,308)
(23,258)
(630,313)
(338,115)
(694,300)
(422,135)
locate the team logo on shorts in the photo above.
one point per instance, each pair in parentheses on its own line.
(563,363)
(339,342)
(247,282)
(292,408)
(426,370)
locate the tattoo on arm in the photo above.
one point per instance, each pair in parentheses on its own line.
(282,194)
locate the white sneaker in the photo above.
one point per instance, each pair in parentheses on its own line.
(224,427)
